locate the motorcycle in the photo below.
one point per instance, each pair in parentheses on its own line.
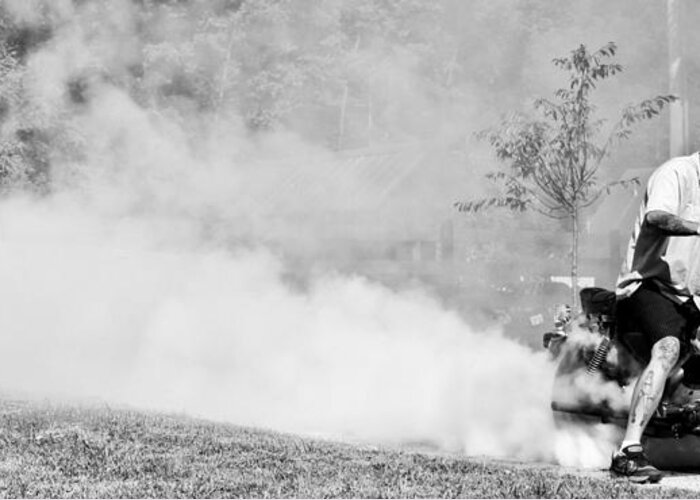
(595,375)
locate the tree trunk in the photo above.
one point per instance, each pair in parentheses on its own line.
(574,262)
(370,118)
(341,123)
(221,93)
(344,104)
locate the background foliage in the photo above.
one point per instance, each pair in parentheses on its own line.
(342,74)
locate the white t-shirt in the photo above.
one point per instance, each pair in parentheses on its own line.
(672,262)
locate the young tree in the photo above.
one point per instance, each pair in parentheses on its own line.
(552,161)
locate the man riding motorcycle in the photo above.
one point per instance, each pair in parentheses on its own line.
(657,295)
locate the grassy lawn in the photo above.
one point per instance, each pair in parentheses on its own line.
(60,451)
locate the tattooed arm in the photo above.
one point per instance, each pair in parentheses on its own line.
(672,225)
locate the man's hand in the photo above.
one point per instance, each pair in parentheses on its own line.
(695,344)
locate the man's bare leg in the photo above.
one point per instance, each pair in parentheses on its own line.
(650,387)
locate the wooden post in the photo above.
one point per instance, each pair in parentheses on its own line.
(678,111)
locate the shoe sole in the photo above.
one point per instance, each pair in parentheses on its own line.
(638,479)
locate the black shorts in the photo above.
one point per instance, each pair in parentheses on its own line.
(648,316)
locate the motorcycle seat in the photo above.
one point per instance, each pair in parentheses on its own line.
(598,301)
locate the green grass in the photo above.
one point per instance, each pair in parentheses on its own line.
(60,451)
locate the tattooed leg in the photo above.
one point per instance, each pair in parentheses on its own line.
(675,377)
(650,386)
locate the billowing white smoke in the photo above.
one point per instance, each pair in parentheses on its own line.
(586,445)
(585,441)
(97,308)
(109,290)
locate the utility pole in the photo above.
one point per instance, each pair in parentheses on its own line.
(678,110)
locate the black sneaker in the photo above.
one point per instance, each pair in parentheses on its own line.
(633,464)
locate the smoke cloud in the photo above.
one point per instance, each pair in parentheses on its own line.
(145,277)
(104,311)
(111,292)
